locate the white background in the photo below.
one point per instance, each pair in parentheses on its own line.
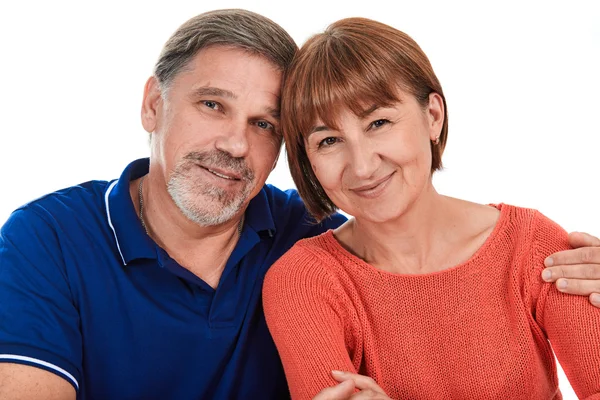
(522,81)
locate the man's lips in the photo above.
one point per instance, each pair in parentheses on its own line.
(234,176)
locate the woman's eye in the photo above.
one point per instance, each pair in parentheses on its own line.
(328,141)
(379,123)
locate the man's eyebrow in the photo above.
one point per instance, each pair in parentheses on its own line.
(213,91)
(273,112)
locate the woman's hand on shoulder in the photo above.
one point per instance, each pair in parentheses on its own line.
(345,390)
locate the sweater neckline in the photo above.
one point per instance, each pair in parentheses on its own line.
(480,255)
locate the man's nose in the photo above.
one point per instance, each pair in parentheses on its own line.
(234,140)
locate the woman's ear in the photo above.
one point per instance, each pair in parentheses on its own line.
(435,114)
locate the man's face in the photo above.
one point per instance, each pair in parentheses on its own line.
(215,132)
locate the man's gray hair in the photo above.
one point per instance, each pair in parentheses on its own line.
(233,28)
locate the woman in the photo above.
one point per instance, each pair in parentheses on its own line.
(432,297)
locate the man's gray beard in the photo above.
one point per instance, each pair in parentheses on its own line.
(201,202)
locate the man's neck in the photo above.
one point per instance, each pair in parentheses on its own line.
(203,250)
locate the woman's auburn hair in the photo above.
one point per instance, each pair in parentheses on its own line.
(354,64)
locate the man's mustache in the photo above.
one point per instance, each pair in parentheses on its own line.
(223,160)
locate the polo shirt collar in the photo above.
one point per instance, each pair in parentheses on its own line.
(131,238)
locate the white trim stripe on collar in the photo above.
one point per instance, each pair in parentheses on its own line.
(110,188)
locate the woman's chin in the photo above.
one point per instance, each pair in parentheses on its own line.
(381,215)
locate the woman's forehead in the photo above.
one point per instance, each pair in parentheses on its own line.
(332,114)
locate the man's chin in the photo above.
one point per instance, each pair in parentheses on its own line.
(215,214)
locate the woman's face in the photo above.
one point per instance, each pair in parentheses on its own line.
(377,165)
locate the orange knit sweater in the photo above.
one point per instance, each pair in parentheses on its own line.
(484,329)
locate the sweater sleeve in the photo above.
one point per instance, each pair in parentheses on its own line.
(306,315)
(570,322)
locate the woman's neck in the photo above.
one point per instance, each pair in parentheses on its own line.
(434,233)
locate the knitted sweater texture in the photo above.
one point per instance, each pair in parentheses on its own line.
(484,329)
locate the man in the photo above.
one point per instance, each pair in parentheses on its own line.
(149,286)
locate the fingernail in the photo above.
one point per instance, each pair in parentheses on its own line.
(595,299)
(336,372)
(548,262)
(547,275)
(561,284)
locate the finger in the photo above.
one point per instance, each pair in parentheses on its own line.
(338,392)
(362,382)
(578,286)
(583,255)
(595,299)
(581,239)
(576,271)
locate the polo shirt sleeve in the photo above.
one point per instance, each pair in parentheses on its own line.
(39,320)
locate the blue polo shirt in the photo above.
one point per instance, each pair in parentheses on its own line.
(87,295)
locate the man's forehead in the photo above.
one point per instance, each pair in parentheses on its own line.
(227,59)
(229,64)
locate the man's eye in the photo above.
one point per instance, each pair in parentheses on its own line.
(328,141)
(379,123)
(211,104)
(265,125)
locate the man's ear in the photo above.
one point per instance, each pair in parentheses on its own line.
(150,104)
(435,113)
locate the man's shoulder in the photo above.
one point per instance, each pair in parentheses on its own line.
(290,214)
(74,202)
(284,198)
(287,209)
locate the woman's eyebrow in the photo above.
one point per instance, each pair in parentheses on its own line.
(318,128)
